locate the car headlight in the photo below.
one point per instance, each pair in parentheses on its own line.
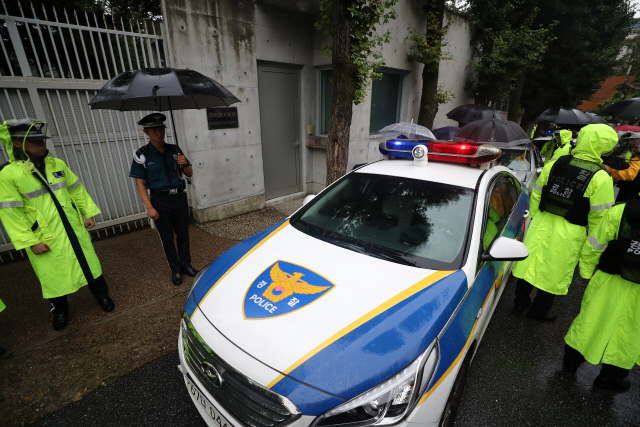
(390,401)
(198,276)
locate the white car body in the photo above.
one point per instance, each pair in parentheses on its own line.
(373,318)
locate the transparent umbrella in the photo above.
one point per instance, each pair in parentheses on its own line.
(409,130)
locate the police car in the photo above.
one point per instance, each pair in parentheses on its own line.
(366,306)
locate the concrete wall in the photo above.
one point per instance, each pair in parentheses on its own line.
(227,40)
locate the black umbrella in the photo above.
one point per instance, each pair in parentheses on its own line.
(626,108)
(596,118)
(493,131)
(469,112)
(564,116)
(160,89)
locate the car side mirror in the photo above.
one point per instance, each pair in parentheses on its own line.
(308,199)
(539,170)
(505,249)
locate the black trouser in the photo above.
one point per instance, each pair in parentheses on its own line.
(542,302)
(574,357)
(98,288)
(174,218)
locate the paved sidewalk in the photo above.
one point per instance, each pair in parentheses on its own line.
(45,370)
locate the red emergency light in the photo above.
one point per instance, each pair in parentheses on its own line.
(462,152)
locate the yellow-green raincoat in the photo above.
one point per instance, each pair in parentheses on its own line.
(607,330)
(554,149)
(25,201)
(554,243)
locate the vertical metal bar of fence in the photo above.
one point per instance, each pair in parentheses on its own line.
(104,55)
(126,44)
(64,45)
(24,107)
(113,59)
(144,55)
(53,43)
(157,40)
(111,160)
(82,150)
(33,46)
(66,125)
(6,57)
(44,47)
(125,172)
(75,49)
(13,113)
(148,40)
(93,154)
(135,48)
(104,164)
(93,44)
(117,36)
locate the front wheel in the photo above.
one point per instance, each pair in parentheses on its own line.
(455,397)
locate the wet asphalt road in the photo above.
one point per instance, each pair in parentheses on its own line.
(515,380)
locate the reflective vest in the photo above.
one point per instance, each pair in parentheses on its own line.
(622,256)
(563,195)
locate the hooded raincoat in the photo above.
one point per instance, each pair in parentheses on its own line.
(30,216)
(554,149)
(607,330)
(554,243)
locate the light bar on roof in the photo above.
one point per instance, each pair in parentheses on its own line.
(444,151)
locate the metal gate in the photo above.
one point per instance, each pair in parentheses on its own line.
(50,67)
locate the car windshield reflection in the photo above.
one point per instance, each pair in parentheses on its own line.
(516,159)
(402,220)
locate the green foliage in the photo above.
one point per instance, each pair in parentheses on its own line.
(427,46)
(366,16)
(507,42)
(588,39)
(444,96)
(631,57)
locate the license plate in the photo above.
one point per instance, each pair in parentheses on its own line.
(206,405)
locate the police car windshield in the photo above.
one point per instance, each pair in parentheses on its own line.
(402,220)
(516,159)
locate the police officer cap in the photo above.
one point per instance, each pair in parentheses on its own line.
(154,120)
(31,128)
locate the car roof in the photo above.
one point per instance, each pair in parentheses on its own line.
(442,172)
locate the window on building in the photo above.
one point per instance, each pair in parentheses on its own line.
(385,101)
(326,100)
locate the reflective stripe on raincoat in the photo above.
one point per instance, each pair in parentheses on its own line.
(2,306)
(554,243)
(607,330)
(30,216)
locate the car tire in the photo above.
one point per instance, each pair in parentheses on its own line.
(455,397)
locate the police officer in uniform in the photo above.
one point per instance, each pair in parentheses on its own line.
(46,211)
(158,167)
(607,330)
(571,193)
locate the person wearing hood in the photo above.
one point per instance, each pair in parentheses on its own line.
(560,145)
(607,330)
(623,163)
(42,205)
(570,193)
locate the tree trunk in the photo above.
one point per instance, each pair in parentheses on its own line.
(344,92)
(430,73)
(516,93)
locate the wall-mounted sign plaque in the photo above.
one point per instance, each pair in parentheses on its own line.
(222,117)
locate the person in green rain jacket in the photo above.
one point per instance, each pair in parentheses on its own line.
(607,330)
(2,307)
(570,193)
(560,145)
(42,203)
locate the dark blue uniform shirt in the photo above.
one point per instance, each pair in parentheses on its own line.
(159,169)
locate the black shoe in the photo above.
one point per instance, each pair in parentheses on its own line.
(60,320)
(176,278)
(549,316)
(107,304)
(190,271)
(612,383)
(520,308)
(570,366)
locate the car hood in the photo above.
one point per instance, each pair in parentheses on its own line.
(322,315)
